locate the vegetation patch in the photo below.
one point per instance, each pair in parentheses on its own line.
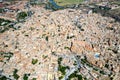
(68,2)
(101,9)
(5,56)
(4,78)
(36,2)
(34,61)
(15,75)
(85,62)
(75,63)
(62,68)
(34,79)
(45,56)
(26,76)
(106,11)
(70,37)
(115,2)
(68,48)
(22,16)
(76,76)
(59,60)
(46,38)
(5,25)
(115,13)
(4,22)
(2,10)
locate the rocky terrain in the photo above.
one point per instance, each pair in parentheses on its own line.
(67,44)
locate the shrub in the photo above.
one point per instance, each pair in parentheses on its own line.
(21,16)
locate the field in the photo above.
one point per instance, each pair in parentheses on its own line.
(68,2)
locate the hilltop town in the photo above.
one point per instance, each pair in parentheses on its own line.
(57,40)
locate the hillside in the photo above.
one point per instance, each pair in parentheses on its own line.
(59,45)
